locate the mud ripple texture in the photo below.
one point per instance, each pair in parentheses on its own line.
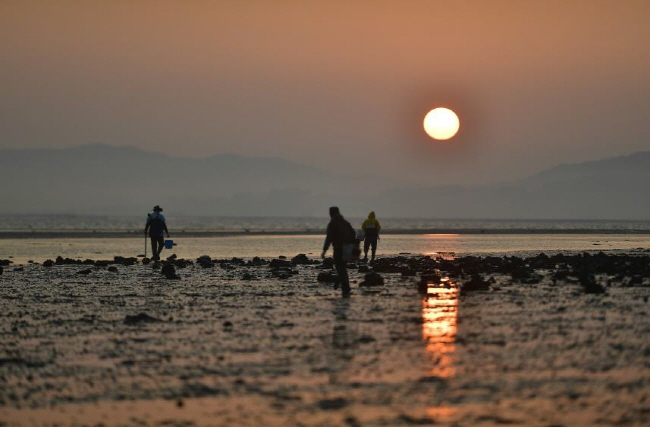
(235,343)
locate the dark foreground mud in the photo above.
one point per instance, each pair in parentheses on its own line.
(541,341)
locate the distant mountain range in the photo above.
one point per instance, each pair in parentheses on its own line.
(124,180)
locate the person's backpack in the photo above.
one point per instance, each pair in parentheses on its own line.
(351,248)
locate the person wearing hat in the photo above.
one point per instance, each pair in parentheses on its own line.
(339,232)
(156,228)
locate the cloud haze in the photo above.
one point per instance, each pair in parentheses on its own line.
(337,85)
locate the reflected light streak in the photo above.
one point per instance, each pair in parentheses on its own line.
(446,244)
(439,326)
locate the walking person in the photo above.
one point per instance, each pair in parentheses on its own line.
(370,228)
(339,232)
(156,228)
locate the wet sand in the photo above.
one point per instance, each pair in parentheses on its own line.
(540,341)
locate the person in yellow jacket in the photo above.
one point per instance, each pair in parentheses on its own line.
(370,228)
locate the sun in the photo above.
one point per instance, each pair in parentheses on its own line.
(441,123)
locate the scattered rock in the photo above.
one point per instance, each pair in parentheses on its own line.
(257,261)
(300,259)
(125,261)
(332,404)
(328,262)
(278,263)
(325,276)
(589,283)
(372,279)
(140,318)
(169,271)
(205,261)
(475,284)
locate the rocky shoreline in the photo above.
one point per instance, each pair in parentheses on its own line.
(542,340)
(621,269)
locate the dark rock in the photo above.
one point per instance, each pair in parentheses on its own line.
(277,263)
(423,287)
(67,261)
(140,318)
(426,280)
(300,259)
(328,262)
(364,269)
(86,271)
(433,279)
(332,404)
(325,276)
(205,261)
(475,284)
(48,263)
(125,261)
(589,283)
(112,269)
(182,263)
(258,261)
(283,273)
(372,279)
(169,271)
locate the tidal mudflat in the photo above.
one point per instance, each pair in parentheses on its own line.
(538,341)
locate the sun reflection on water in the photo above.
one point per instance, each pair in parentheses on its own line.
(439,326)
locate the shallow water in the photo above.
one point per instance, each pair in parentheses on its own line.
(179,223)
(225,351)
(20,251)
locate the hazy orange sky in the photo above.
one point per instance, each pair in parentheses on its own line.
(341,85)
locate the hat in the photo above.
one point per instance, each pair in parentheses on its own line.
(334,210)
(157,208)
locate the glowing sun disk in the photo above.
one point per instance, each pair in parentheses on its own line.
(441,123)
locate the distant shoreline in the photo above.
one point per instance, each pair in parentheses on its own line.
(73,234)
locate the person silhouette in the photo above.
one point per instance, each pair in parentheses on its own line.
(370,228)
(339,232)
(156,228)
